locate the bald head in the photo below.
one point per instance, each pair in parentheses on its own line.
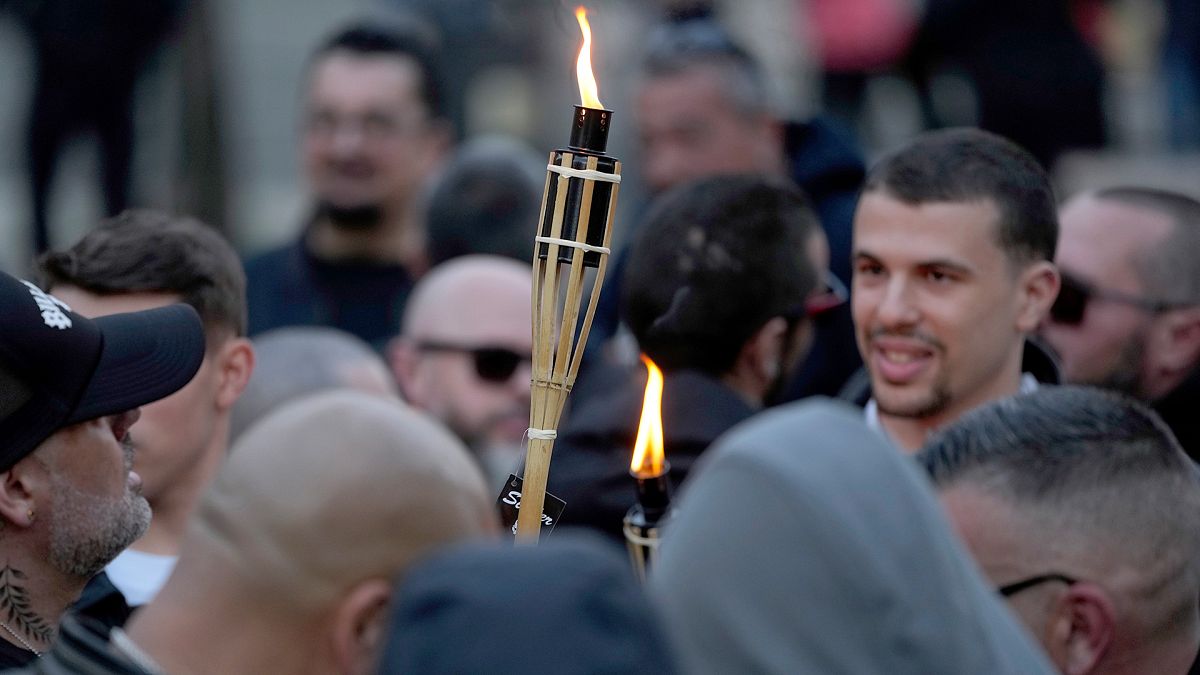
(330,491)
(463,354)
(461,294)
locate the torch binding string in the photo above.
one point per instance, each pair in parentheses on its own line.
(541,434)
(573,244)
(587,174)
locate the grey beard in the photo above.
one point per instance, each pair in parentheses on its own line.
(87,532)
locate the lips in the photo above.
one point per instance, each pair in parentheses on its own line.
(900,361)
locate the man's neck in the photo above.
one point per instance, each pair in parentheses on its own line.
(398,238)
(33,599)
(173,508)
(180,627)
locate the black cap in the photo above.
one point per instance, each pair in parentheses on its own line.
(58,368)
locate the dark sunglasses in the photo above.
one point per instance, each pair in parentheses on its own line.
(1009,590)
(1075,294)
(492,364)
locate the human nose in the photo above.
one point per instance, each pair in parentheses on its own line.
(896,306)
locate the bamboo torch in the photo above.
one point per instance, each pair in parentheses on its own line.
(649,468)
(574,232)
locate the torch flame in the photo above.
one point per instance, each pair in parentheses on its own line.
(588,91)
(648,448)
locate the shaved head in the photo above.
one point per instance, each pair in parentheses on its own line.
(463,354)
(467,294)
(332,490)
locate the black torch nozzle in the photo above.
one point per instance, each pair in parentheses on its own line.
(654,496)
(590,130)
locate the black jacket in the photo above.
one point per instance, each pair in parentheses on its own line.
(590,467)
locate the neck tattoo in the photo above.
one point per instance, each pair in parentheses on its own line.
(15,606)
(20,639)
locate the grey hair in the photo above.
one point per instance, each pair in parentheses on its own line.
(1102,476)
(296,361)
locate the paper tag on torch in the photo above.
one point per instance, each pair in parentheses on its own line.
(510,505)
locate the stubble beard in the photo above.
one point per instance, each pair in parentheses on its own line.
(87,531)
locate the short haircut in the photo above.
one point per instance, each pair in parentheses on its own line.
(486,201)
(1171,270)
(1101,474)
(716,259)
(967,165)
(295,361)
(675,48)
(145,251)
(408,38)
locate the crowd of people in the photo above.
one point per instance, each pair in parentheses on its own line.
(921,416)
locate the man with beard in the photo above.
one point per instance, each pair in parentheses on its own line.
(953,241)
(373,133)
(1128,315)
(138,260)
(70,389)
(463,355)
(716,292)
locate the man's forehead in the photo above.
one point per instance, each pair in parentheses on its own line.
(926,230)
(342,72)
(1107,232)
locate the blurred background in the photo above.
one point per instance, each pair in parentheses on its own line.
(214,89)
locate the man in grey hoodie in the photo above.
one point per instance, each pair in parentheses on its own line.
(804,544)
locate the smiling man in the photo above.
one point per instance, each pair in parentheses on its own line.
(70,389)
(953,241)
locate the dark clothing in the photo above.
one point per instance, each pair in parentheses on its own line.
(102,603)
(823,161)
(87,58)
(1179,410)
(1036,81)
(1036,361)
(465,609)
(14,656)
(590,468)
(83,648)
(290,286)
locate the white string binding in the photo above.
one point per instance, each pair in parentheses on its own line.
(541,434)
(587,248)
(589,174)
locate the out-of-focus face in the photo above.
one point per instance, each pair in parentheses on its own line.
(175,432)
(483,412)
(689,129)
(368,140)
(1100,243)
(96,509)
(937,306)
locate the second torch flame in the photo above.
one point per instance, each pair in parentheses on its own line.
(648,448)
(588,91)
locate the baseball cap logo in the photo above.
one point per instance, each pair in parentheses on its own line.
(50,306)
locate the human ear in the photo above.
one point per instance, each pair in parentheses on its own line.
(360,627)
(1087,622)
(235,365)
(1038,287)
(18,485)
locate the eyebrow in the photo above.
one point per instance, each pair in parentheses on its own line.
(943,263)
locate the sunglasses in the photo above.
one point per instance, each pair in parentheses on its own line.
(492,364)
(832,294)
(1075,294)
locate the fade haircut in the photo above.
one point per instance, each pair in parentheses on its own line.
(1103,477)
(405,38)
(676,48)
(716,259)
(1170,271)
(970,165)
(144,251)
